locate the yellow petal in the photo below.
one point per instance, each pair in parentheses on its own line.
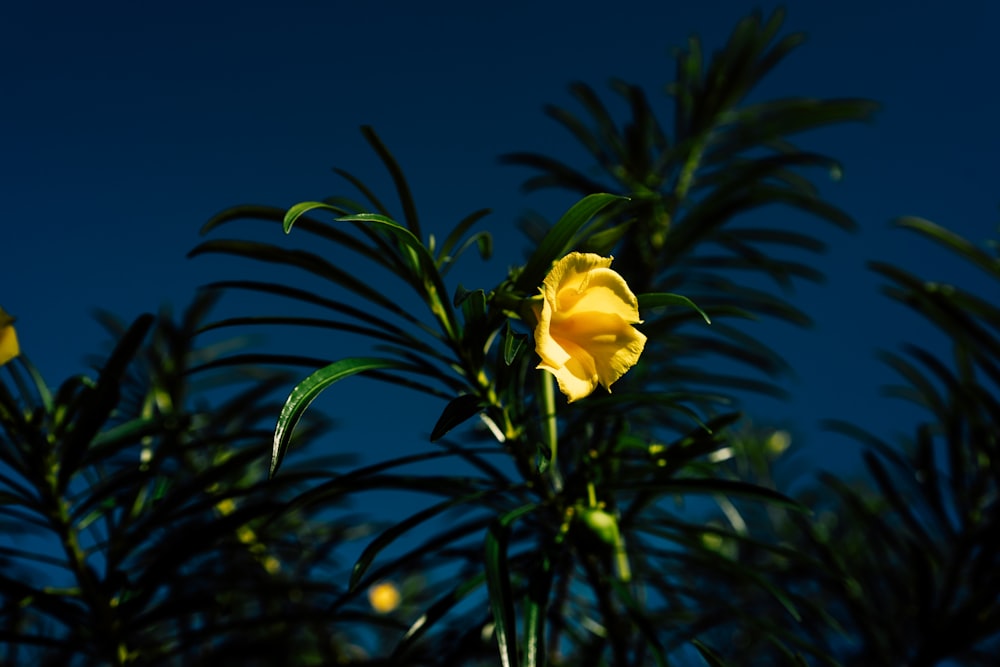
(604,291)
(571,271)
(610,343)
(9,347)
(551,352)
(577,377)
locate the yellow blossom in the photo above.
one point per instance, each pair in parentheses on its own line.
(584,334)
(384,597)
(9,347)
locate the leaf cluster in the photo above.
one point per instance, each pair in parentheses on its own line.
(578,519)
(533,533)
(902,563)
(139,528)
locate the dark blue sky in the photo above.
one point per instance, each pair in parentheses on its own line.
(127,125)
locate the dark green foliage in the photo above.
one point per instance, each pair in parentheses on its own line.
(547,572)
(641,527)
(901,567)
(931,554)
(140,528)
(608,595)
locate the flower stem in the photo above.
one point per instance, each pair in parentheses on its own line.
(550,428)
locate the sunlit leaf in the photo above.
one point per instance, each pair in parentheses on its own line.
(557,241)
(307,391)
(650,301)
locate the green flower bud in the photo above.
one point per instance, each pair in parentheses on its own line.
(602,524)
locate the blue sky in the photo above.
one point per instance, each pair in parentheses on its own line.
(127,125)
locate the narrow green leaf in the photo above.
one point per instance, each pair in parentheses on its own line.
(426,278)
(402,188)
(755,124)
(307,391)
(459,231)
(498,584)
(954,242)
(97,405)
(366,316)
(680,486)
(402,339)
(642,622)
(461,294)
(434,613)
(340,237)
(656,300)
(474,307)
(711,658)
(602,242)
(558,239)
(579,129)
(394,532)
(457,411)
(305,261)
(604,122)
(33,392)
(501,597)
(483,242)
(554,174)
(535,606)
(129,433)
(300,209)
(363,189)
(901,503)
(512,344)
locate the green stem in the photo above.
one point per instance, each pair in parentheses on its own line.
(100,605)
(103,619)
(550,428)
(550,425)
(686,176)
(621,559)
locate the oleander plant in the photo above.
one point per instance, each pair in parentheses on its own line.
(586,491)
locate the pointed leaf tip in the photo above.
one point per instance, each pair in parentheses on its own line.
(457,411)
(306,392)
(656,300)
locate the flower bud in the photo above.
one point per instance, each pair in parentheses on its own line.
(602,524)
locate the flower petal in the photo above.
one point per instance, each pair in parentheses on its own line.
(571,271)
(603,291)
(575,379)
(609,341)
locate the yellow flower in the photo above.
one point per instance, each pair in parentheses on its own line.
(8,338)
(384,597)
(584,334)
